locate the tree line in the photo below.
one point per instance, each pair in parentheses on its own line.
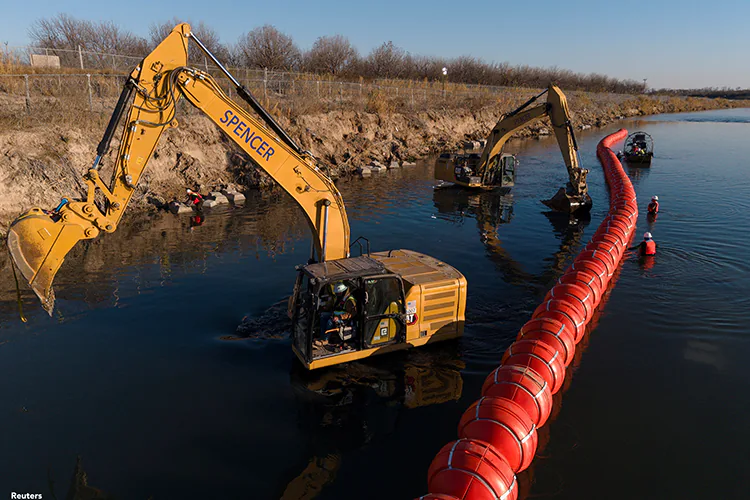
(267,47)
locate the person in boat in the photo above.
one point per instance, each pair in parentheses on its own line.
(647,247)
(193,199)
(653,207)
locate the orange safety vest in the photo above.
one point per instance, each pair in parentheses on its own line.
(648,247)
(653,207)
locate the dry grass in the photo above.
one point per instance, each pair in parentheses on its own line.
(86,100)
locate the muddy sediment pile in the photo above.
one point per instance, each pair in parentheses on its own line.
(42,162)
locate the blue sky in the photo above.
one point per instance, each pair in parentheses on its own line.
(672,43)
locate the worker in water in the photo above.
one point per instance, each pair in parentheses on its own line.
(647,246)
(653,207)
(193,199)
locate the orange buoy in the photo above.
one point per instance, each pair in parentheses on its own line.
(504,425)
(590,280)
(540,357)
(563,310)
(614,251)
(613,230)
(524,386)
(552,332)
(607,260)
(471,470)
(595,266)
(610,238)
(567,291)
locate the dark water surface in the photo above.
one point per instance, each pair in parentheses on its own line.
(133,373)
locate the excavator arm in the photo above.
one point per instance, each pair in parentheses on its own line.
(556,108)
(39,240)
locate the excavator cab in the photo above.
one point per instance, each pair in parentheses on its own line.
(501,171)
(376,296)
(464,170)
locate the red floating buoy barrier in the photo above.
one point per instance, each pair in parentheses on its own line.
(471,470)
(540,357)
(503,424)
(499,431)
(560,310)
(553,333)
(524,386)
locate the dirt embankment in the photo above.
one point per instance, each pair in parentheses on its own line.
(43,162)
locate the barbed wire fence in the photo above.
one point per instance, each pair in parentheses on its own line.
(90,81)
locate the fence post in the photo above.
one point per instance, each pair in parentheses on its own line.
(265,85)
(28,95)
(80,56)
(205,63)
(113,63)
(412,97)
(317,86)
(91,97)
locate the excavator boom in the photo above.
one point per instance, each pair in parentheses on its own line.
(570,199)
(39,240)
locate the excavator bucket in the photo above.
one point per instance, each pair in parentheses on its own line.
(564,202)
(38,243)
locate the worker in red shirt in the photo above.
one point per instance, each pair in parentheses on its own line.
(193,199)
(653,207)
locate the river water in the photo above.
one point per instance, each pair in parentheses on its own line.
(140,375)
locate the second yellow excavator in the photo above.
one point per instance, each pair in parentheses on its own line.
(343,308)
(494,169)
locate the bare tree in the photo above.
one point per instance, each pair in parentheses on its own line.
(66,32)
(206,34)
(386,61)
(330,54)
(267,47)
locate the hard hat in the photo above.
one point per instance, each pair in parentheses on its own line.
(339,288)
(655,198)
(646,235)
(189,190)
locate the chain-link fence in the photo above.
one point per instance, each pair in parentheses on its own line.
(86,80)
(285,93)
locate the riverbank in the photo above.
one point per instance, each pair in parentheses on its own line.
(43,160)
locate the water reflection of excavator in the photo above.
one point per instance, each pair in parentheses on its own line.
(495,169)
(491,211)
(345,408)
(395,299)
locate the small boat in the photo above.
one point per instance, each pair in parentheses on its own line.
(639,149)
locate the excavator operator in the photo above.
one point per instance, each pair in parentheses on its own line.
(338,313)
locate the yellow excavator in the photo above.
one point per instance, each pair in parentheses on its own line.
(400,298)
(493,169)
